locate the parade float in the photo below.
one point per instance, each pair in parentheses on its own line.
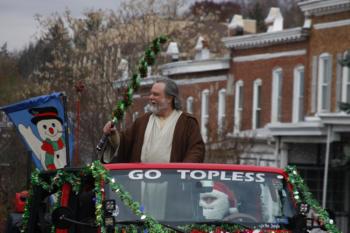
(156,198)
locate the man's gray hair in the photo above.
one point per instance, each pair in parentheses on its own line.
(171,89)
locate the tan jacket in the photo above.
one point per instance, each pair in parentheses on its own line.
(187,145)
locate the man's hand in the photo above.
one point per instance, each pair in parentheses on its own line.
(111,130)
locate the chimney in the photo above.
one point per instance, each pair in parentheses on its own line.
(239,26)
(202,49)
(173,51)
(249,26)
(236,26)
(274,21)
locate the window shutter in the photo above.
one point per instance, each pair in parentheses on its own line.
(339,88)
(301,96)
(314,84)
(329,81)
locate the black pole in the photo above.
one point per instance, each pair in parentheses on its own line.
(66,134)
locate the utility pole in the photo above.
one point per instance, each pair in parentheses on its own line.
(79,87)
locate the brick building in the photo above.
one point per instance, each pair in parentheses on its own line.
(274,100)
(289,82)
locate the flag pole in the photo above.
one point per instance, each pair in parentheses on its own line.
(66,134)
(79,87)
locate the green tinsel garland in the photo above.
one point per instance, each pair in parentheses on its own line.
(98,175)
(25,215)
(303,195)
(148,59)
(55,183)
(101,177)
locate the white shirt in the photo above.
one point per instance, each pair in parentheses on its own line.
(158,139)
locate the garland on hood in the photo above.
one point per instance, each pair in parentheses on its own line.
(55,183)
(302,194)
(102,177)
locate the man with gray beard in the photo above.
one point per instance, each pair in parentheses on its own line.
(166,134)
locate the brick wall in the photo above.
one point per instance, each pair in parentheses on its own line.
(330,40)
(262,69)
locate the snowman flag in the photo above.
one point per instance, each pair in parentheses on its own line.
(42,123)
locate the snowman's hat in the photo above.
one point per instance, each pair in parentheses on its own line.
(44,113)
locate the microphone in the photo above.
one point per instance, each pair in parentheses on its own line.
(102,142)
(103,139)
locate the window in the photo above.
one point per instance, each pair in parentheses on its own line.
(181,197)
(256,118)
(238,106)
(324,82)
(189,105)
(205,115)
(313,177)
(276,110)
(298,94)
(345,83)
(221,110)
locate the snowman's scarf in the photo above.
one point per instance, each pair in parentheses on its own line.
(50,146)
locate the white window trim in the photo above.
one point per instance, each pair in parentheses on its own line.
(205,114)
(321,81)
(345,80)
(221,109)
(277,77)
(298,95)
(256,108)
(189,104)
(238,111)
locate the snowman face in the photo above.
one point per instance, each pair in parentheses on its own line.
(50,129)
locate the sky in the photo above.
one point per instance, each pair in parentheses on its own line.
(18,26)
(17,17)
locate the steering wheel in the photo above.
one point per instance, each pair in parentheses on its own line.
(240,217)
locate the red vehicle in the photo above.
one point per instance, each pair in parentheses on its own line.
(248,197)
(181,197)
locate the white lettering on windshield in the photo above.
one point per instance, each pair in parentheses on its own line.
(238,176)
(183,173)
(201,175)
(140,174)
(249,177)
(222,175)
(198,175)
(212,174)
(260,177)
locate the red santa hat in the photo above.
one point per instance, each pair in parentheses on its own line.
(221,189)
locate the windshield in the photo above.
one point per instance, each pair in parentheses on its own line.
(190,196)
